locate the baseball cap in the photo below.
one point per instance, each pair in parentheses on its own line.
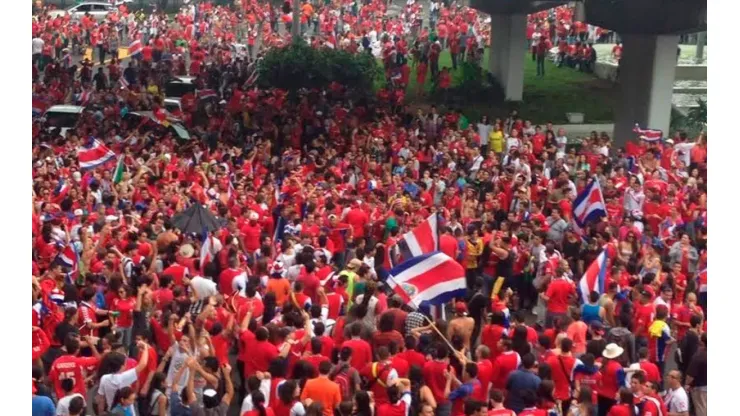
(461,308)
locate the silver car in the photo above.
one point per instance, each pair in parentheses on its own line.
(97,9)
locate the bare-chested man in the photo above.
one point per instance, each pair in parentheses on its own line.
(461,325)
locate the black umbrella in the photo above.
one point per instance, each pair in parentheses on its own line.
(196,219)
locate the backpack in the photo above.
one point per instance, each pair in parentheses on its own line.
(624,338)
(344,379)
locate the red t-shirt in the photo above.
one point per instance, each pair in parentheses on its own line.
(125,307)
(562,367)
(69,366)
(434,378)
(505,364)
(559,291)
(361,353)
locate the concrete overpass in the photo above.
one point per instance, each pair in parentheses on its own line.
(649,30)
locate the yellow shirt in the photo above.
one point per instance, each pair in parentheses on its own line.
(472,252)
(496,140)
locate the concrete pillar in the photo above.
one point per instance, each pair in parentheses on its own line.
(701,40)
(507,53)
(646,74)
(579,12)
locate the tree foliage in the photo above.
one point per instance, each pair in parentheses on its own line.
(300,66)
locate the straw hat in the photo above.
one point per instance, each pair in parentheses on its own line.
(612,351)
(187,251)
(354,264)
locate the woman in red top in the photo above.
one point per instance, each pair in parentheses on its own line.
(258,402)
(288,400)
(625,406)
(612,377)
(124,306)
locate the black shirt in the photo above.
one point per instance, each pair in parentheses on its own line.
(64,329)
(698,368)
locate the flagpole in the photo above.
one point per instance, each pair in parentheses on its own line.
(416,309)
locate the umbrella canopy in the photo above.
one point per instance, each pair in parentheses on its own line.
(196,219)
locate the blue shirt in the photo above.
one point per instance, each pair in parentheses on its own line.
(42,406)
(464,390)
(518,382)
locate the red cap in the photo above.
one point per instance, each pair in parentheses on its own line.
(461,308)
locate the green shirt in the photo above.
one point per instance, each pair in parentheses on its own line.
(462,123)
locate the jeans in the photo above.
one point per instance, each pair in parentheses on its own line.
(126,334)
(541,65)
(443,409)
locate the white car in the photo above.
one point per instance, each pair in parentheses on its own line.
(63,117)
(98,10)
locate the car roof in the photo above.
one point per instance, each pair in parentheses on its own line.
(94,2)
(72,109)
(173,100)
(184,80)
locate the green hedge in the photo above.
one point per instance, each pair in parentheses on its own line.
(301,66)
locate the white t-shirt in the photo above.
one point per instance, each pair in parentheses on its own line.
(683,152)
(111,383)
(677,401)
(37,45)
(560,143)
(204,287)
(265,385)
(63,404)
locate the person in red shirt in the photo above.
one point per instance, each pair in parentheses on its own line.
(361,350)
(380,375)
(652,372)
(411,355)
(70,366)
(145,375)
(558,296)
(504,364)
(358,220)
(226,277)
(562,369)
(485,370)
(124,306)
(434,376)
(493,332)
(643,314)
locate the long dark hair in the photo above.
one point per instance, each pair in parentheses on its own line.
(626,397)
(258,400)
(157,383)
(286,391)
(121,394)
(362,399)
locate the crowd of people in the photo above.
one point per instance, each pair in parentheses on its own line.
(284,309)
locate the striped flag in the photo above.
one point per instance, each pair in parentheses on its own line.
(60,192)
(206,250)
(430,279)
(134,48)
(589,205)
(594,279)
(94,154)
(206,94)
(83,98)
(39,105)
(421,240)
(120,168)
(650,135)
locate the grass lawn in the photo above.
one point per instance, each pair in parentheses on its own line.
(562,90)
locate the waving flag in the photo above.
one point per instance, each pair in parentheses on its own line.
(205,250)
(39,105)
(134,48)
(83,98)
(594,279)
(589,204)
(650,135)
(120,168)
(60,192)
(421,240)
(94,154)
(205,94)
(430,279)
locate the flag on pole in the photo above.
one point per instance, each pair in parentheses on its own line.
(650,135)
(94,154)
(60,192)
(434,278)
(120,168)
(205,250)
(421,240)
(594,279)
(589,205)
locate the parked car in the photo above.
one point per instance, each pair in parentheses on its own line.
(63,117)
(97,9)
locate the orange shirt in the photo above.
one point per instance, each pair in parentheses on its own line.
(323,390)
(281,289)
